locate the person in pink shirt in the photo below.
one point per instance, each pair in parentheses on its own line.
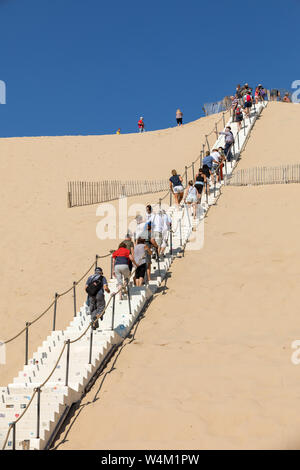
(141,124)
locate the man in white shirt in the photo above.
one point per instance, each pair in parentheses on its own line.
(157,225)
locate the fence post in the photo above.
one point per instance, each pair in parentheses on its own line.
(38,412)
(193,170)
(26,344)
(170,197)
(96,262)
(54,313)
(67,362)
(69,199)
(171,240)
(216,130)
(186,176)
(159,203)
(113,312)
(74,297)
(91,344)
(223,119)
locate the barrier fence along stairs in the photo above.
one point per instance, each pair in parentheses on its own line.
(34,406)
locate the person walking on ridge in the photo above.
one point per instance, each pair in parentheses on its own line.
(179,116)
(141,124)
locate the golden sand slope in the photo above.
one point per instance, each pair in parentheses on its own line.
(44,245)
(210,365)
(275,138)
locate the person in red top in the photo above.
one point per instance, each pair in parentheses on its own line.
(141,124)
(121,270)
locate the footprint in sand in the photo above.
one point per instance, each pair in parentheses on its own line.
(228,233)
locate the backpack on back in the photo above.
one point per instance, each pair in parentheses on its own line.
(94,287)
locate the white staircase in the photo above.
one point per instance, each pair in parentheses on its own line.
(56,397)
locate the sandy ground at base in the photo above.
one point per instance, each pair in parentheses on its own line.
(44,245)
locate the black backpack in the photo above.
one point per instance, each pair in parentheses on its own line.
(94,287)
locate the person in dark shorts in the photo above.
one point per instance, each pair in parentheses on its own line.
(140,251)
(200,182)
(207,163)
(179,116)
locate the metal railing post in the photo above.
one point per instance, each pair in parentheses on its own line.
(54,313)
(111,267)
(180,232)
(170,198)
(67,362)
(223,116)
(186,176)
(96,262)
(193,170)
(74,297)
(113,312)
(128,295)
(38,417)
(159,203)
(26,343)
(207,143)
(14,436)
(91,344)
(171,241)
(158,263)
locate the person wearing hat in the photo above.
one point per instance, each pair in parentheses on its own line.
(95,287)
(141,124)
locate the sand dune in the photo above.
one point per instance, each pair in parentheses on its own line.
(210,365)
(44,245)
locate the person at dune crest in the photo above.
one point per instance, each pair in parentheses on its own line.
(141,124)
(179,116)
(286,98)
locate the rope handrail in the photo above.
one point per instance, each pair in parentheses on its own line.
(32,322)
(97,316)
(60,356)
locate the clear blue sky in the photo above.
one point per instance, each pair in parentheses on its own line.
(91,66)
